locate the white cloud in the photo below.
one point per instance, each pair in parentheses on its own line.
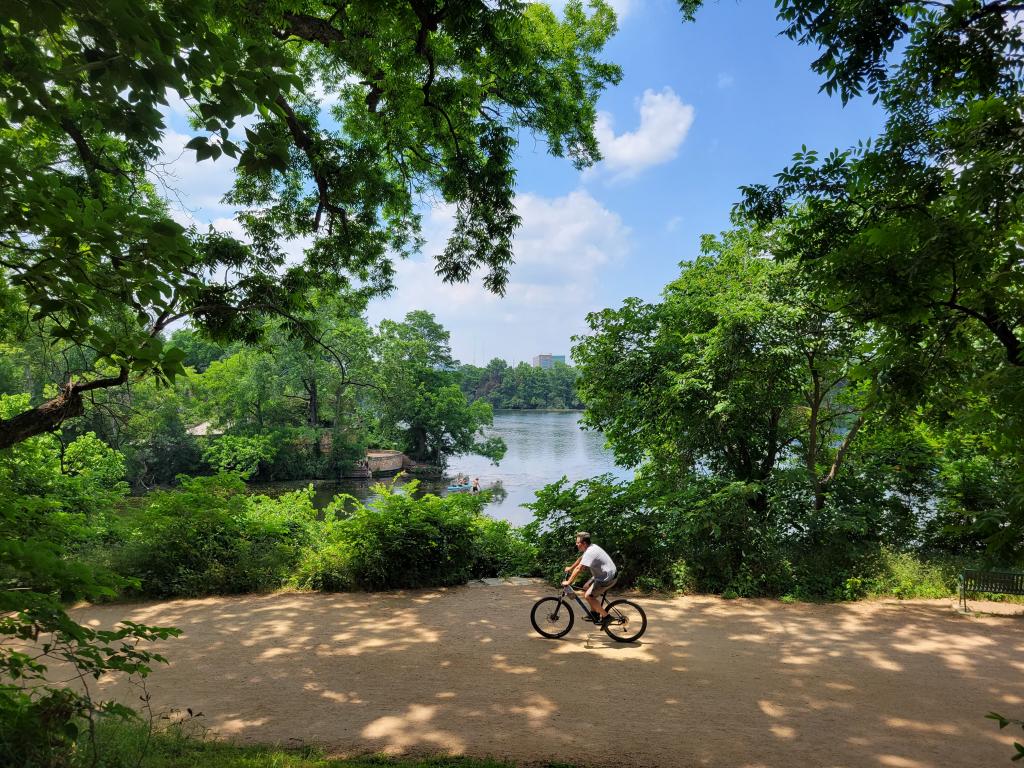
(725,80)
(176,106)
(622,8)
(560,251)
(194,190)
(230,227)
(664,122)
(673,224)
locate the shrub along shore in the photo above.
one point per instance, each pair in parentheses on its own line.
(211,535)
(71,531)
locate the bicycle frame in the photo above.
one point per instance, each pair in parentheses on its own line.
(568,590)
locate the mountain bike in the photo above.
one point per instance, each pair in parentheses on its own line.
(553,617)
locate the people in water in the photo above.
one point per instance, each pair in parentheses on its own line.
(461,480)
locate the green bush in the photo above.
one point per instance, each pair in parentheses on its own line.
(501,550)
(688,535)
(325,568)
(406,542)
(854,589)
(904,575)
(637,535)
(300,454)
(46,517)
(682,578)
(702,535)
(402,541)
(242,454)
(648,584)
(211,537)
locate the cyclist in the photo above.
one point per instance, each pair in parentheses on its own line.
(602,574)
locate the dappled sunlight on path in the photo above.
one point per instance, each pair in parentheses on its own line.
(713,683)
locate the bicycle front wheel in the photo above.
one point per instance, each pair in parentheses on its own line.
(628,621)
(552,617)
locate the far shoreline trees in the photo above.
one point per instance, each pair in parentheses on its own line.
(522,386)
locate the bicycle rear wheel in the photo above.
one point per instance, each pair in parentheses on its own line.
(552,617)
(628,621)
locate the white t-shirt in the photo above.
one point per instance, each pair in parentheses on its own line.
(598,561)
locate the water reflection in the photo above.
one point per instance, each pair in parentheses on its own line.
(542,446)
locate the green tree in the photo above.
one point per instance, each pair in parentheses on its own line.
(421,406)
(729,372)
(153,432)
(735,387)
(243,392)
(322,357)
(919,231)
(431,97)
(199,351)
(522,386)
(310,374)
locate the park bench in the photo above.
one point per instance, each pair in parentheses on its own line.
(994,582)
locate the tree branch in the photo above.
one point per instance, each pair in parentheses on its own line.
(313,29)
(843,449)
(49,415)
(999,327)
(305,143)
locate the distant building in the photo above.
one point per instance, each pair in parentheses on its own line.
(548,361)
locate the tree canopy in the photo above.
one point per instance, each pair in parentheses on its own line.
(916,235)
(918,231)
(431,100)
(522,386)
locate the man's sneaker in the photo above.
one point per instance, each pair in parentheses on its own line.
(606,621)
(595,617)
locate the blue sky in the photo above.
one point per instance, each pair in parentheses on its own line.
(702,109)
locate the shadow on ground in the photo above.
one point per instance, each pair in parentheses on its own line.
(713,683)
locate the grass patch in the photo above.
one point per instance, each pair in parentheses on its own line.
(906,576)
(120,745)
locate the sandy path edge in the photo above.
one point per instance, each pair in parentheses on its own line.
(713,683)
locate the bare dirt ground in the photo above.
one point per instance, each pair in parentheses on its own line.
(743,683)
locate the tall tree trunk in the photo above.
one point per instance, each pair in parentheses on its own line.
(314,402)
(419,444)
(812,438)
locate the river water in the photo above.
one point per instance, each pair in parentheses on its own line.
(542,447)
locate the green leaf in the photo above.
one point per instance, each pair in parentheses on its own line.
(70,730)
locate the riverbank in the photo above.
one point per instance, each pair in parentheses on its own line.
(713,683)
(543,445)
(538,410)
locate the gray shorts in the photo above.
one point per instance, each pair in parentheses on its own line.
(595,588)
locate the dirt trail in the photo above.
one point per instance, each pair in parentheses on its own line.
(713,683)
